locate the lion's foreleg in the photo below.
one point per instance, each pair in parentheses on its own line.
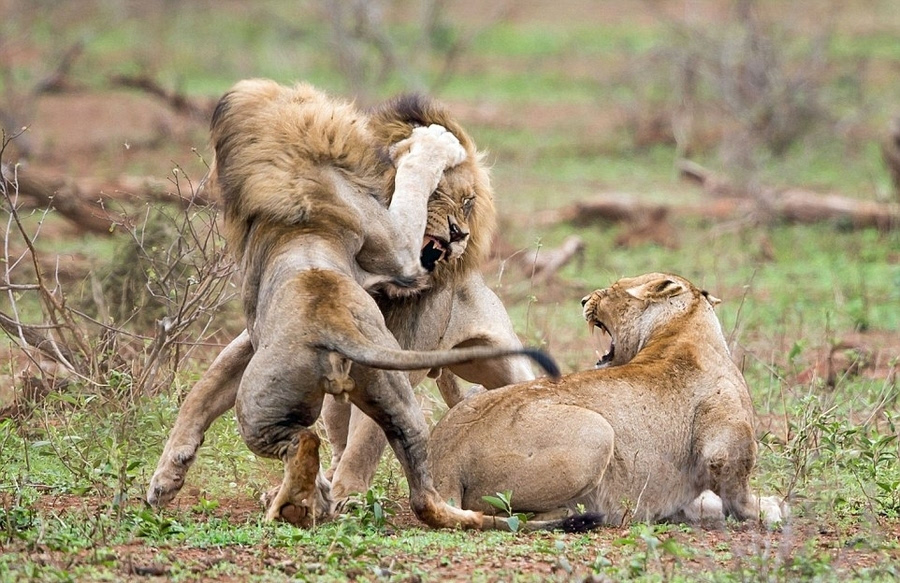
(213,394)
(478,318)
(359,458)
(336,418)
(421,160)
(449,388)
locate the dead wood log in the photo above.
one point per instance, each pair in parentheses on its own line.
(712,183)
(613,207)
(61,194)
(794,205)
(34,336)
(646,222)
(802,206)
(549,261)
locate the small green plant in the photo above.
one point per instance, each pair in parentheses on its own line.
(152,525)
(372,509)
(650,549)
(503,502)
(204,506)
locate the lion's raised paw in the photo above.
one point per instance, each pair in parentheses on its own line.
(433,143)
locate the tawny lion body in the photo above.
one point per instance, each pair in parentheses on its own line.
(310,216)
(666,418)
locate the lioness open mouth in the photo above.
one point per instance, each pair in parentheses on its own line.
(433,250)
(605,346)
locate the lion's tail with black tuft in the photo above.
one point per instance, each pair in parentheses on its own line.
(361,350)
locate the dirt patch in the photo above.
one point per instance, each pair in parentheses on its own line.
(803,545)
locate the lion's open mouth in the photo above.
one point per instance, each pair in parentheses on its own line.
(604,344)
(433,250)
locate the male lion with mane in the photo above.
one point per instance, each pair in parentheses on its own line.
(663,429)
(318,216)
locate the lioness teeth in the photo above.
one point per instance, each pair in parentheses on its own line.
(604,342)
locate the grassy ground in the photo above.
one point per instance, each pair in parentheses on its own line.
(562,100)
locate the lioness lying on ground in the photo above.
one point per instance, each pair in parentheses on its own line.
(666,418)
(307,218)
(456,309)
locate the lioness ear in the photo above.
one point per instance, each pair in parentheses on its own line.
(657,290)
(713,300)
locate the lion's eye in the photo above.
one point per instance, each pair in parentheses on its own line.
(467,205)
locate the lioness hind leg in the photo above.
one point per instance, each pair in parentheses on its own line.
(730,457)
(296,500)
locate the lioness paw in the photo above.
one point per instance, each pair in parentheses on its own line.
(773,511)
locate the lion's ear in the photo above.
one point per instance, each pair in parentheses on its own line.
(657,290)
(713,300)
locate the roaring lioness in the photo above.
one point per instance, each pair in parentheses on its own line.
(665,418)
(305,189)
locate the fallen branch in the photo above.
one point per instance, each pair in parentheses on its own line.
(647,222)
(548,262)
(803,206)
(61,194)
(613,207)
(201,109)
(84,202)
(29,335)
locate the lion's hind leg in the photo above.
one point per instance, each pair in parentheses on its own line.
(302,497)
(213,395)
(390,401)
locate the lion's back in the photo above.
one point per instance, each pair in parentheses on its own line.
(276,151)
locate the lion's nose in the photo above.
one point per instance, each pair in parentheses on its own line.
(456,234)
